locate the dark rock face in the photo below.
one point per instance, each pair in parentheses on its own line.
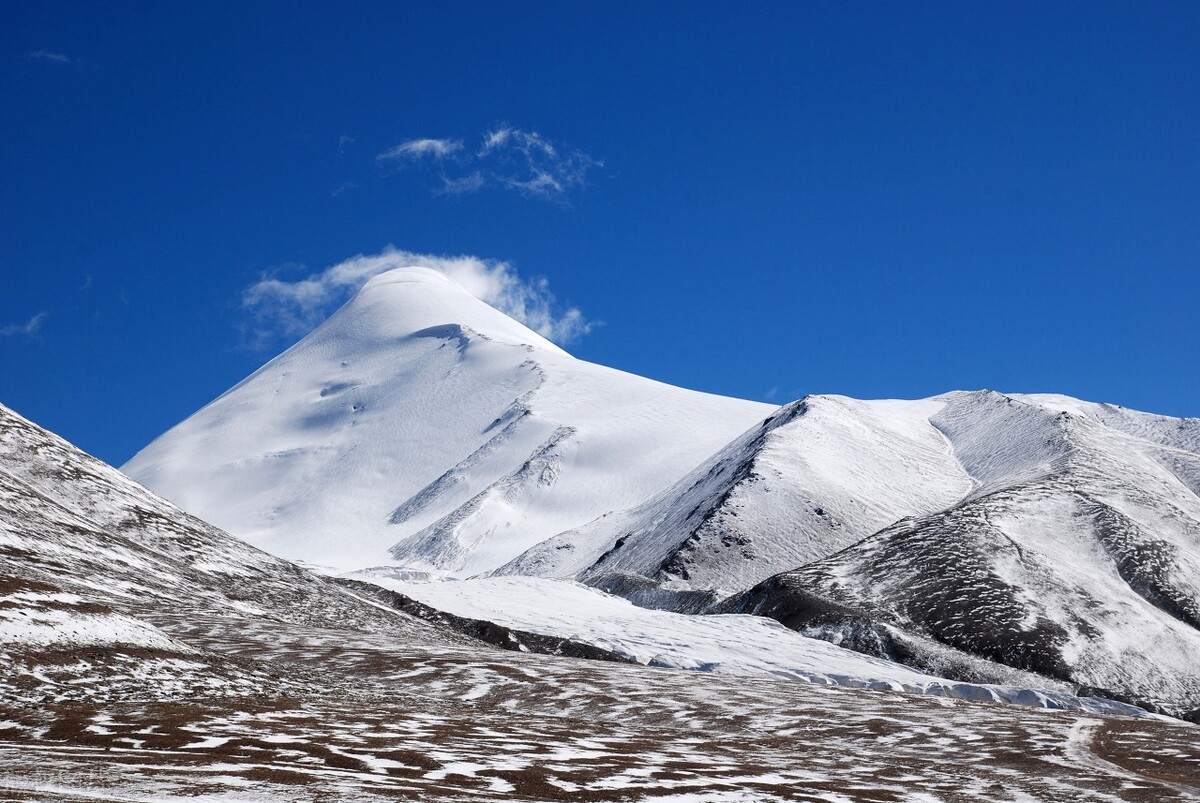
(646,593)
(940,580)
(785,599)
(1149,565)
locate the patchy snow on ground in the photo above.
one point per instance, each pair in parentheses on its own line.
(66,628)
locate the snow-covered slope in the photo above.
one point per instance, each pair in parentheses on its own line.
(955,533)
(816,476)
(825,472)
(744,646)
(1077,556)
(420,427)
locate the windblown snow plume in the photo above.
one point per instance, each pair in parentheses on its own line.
(283,308)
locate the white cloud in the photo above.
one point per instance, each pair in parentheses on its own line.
(509,158)
(293,308)
(472,182)
(30,328)
(47,55)
(418,149)
(536,166)
(495,139)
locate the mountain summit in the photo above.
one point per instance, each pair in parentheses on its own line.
(421,428)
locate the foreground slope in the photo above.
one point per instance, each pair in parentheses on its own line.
(420,427)
(100,581)
(196,668)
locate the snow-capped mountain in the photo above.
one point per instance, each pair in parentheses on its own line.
(825,472)
(420,427)
(420,432)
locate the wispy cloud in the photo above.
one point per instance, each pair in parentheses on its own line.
(464,185)
(282,308)
(541,168)
(508,158)
(29,329)
(418,149)
(49,55)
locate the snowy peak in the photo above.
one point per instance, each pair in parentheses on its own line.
(420,428)
(999,439)
(420,432)
(421,302)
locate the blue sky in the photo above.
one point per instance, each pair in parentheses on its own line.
(755,199)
